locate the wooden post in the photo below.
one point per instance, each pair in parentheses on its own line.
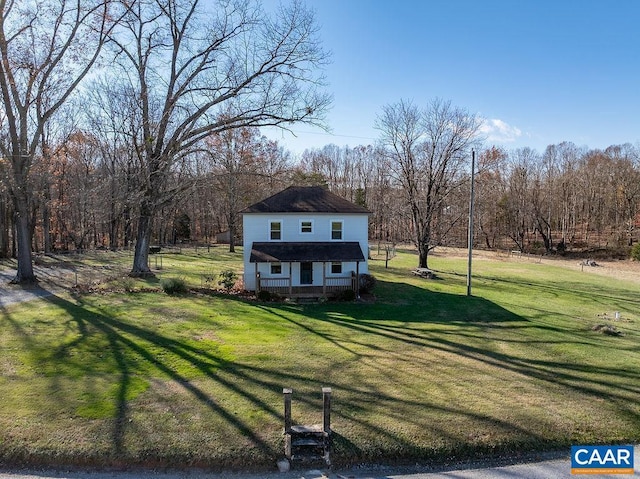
(290,281)
(326,409)
(324,278)
(287,422)
(287,409)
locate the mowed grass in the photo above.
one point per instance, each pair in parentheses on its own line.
(422,374)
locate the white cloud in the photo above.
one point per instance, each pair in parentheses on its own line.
(499,131)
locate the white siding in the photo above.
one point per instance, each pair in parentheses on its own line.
(256,227)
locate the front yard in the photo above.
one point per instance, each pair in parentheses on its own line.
(124,374)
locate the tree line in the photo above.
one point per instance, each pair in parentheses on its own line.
(131,123)
(85,196)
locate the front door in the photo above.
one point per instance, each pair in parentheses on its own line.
(306,273)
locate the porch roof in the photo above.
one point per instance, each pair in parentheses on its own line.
(307,251)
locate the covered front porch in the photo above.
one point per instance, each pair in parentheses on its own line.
(307,270)
(284,286)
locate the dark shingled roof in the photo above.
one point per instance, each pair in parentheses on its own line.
(305,199)
(307,251)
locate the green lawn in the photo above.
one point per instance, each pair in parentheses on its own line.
(423,373)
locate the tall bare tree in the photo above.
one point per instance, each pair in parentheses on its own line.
(489,190)
(47,47)
(112,118)
(234,157)
(191,63)
(429,151)
(625,174)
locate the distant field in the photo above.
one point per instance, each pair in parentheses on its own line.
(116,372)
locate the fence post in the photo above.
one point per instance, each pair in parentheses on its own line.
(287,409)
(326,410)
(287,421)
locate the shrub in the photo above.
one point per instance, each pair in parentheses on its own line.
(129,284)
(173,286)
(367,283)
(227,279)
(264,295)
(347,295)
(562,247)
(635,252)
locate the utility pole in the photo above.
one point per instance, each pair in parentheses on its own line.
(470,240)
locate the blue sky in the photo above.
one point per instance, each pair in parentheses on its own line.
(540,72)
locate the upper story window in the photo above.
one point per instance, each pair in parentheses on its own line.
(306,226)
(336,230)
(275,230)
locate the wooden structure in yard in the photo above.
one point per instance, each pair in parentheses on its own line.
(308,442)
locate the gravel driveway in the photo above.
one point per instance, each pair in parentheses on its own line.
(56,274)
(13,293)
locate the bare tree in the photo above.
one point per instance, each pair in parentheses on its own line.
(490,189)
(113,120)
(191,63)
(625,174)
(429,152)
(234,155)
(47,47)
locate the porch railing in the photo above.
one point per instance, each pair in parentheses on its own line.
(284,286)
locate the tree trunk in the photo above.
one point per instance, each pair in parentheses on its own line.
(423,255)
(25,272)
(232,233)
(46,227)
(5,226)
(141,255)
(113,232)
(128,234)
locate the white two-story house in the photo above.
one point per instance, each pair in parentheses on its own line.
(304,241)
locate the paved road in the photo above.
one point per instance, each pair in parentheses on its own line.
(548,469)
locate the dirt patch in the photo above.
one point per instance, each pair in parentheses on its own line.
(607,329)
(626,270)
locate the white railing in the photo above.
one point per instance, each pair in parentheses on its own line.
(284,286)
(274,285)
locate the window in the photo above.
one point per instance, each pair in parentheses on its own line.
(276,268)
(336,230)
(275,230)
(336,268)
(306,226)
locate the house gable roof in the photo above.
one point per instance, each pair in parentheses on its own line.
(305,199)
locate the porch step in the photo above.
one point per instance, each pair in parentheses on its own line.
(315,429)
(308,442)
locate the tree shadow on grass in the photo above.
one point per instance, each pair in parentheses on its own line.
(127,345)
(412,319)
(474,329)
